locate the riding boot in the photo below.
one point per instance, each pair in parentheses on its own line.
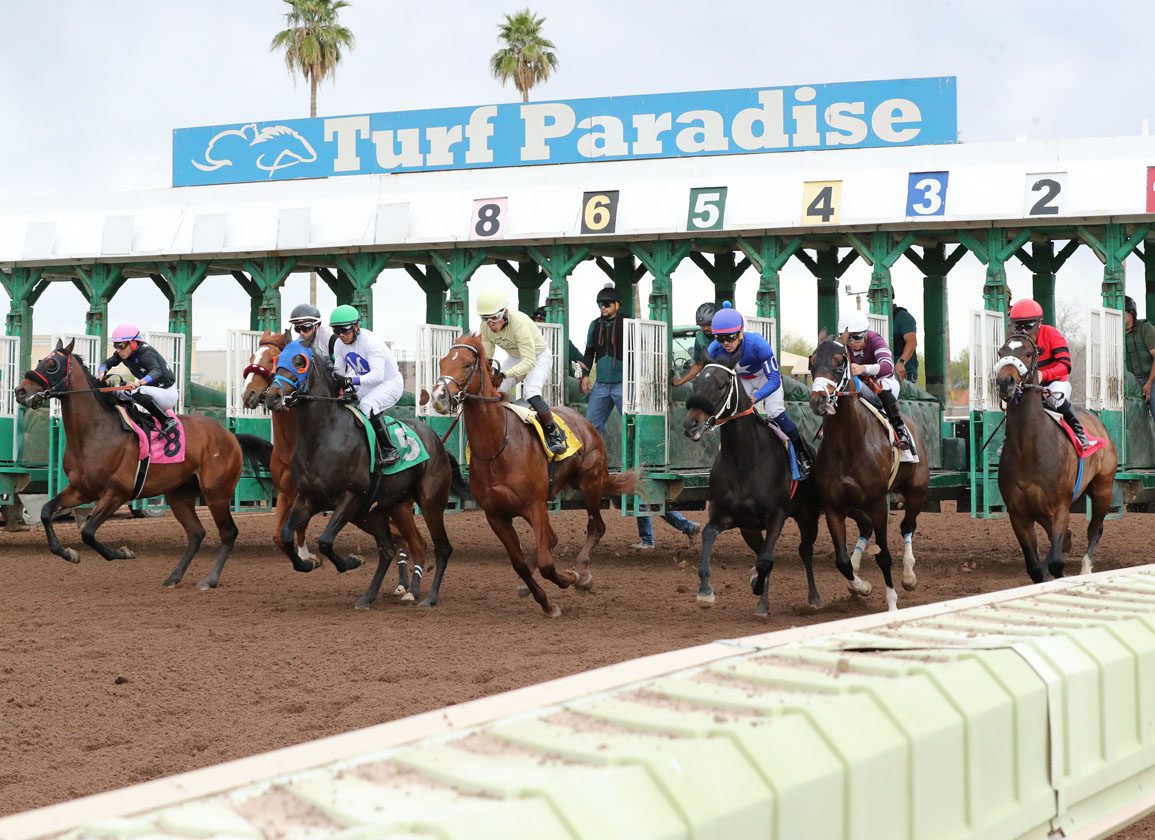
(555,440)
(1072,418)
(890,403)
(164,422)
(387,454)
(805,465)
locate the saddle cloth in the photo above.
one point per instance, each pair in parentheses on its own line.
(528,416)
(160,449)
(1079,450)
(412,450)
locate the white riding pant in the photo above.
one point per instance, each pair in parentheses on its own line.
(1056,394)
(772,405)
(534,380)
(381,397)
(166,398)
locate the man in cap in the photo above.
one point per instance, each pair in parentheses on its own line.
(1139,350)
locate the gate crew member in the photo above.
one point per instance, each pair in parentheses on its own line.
(869,356)
(1054,363)
(363,362)
(155,386)
(757,368)
(703,317)
(530,359)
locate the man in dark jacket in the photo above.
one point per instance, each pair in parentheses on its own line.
(1139,347)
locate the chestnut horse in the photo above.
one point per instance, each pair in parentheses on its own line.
(853,469)
(510,475)
(1038,467)
(101,458)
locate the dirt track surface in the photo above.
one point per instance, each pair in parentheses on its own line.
(107,679)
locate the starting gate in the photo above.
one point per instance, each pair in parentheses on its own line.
(242,345)
(881,325)
(988,331)
(645,398)
(554,391)
(433,343)
(1105,372)
(765,327)
(171,348)
(13,474)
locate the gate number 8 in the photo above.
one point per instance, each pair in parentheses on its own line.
(489,218)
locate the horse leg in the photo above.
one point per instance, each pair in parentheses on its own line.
(219,503)
(546,539)
(705,589)
(760,581)
(503,527)
(407,528)
(347,507)
(1059,532)
(807,536)
(286,496)
(865,529)
(595,529)
(68,498)
(299,515)
(912,502)
(442,549)
(879,516)
(376,524)
(836,523)
(106,505)
(182,503)
(1100,494)
(1028,541)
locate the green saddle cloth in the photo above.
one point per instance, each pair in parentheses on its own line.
(412,450)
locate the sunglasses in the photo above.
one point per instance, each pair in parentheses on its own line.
(304,328)
(120,345)
(727,337)
(606,305)
(857,336)
(342,330)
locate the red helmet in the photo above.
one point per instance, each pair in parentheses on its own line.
(1026,310)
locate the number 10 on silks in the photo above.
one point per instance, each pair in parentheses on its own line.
(926,194)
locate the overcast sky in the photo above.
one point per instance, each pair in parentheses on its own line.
(92,90)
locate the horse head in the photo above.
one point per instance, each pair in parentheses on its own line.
(830,367)
(1017,367)
(258,376)
(716,398)
(464,372)
(300,371)
(49,378)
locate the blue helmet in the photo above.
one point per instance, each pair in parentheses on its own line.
(727,320)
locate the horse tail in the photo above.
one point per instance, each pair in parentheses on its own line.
(622,484)
(459,487)
(258,454)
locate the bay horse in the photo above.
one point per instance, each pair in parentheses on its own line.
(750,483)
(331,471)
(1038,468)
(510,475)
(853,472)
(101,458)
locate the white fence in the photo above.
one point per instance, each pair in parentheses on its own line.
(242,345)
(9,374)
(646,383)
(765,327)
(554,392)
(1105,370)
(988,332)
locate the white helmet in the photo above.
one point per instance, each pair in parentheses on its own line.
(853,321)
(492,302)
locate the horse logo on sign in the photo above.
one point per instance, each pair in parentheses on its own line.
(271,149)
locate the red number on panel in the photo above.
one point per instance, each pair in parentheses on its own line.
(1151,189)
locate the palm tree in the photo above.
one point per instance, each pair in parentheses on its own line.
(312,46)
(313,41)
(527,57)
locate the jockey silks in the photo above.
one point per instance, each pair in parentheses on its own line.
(755,356)
(1054,355)
(373,369)
(146,364)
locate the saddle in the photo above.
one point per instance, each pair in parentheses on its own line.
(1079,450)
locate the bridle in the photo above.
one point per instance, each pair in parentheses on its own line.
(462,393)
(1027,375)
(726,412)
(52,389)
(841,388)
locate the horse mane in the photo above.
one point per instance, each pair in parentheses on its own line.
(321,372)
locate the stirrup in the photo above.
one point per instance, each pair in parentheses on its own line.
(168,426)
(555,441)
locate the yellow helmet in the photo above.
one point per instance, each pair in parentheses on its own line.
(492,302)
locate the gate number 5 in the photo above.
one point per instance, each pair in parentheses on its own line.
(707,208)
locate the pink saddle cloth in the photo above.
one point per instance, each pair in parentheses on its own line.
(160,448)
(1096,445)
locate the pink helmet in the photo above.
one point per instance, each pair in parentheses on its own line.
(126,332)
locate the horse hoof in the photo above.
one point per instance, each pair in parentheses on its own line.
(171,583)
(400,590)
(523,591)
(125,553)
(1087,566)
(815,603)
(554,612)
(891,600)
(909,581)
(70,555)
(407,598)
(761,611)
(206,585)
(354,562)
(363,603)
(428,602)
(585,582)
(859,586)
(705,599)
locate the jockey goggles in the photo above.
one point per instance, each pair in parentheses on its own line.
(857,336)
(304,326)
(120,345)
(725,337)
(1026,325)
(343,330)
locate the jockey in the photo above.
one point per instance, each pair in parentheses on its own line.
(757,368)
(363,362)
(1054,363)
(305,321)
(870,356)
(529,357)
(155,386)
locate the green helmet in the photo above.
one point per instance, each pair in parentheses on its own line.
(343,315)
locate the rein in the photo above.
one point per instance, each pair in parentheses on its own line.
(717,419)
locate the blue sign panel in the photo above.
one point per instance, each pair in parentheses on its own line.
(847,115)
(926,193)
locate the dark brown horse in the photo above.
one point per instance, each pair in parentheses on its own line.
(101,459)
(509,473)
(1038,465)
(853,472)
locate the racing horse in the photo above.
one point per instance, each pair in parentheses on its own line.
(853,472)
(510,475)
(332,471)
(101,458)
(750,483)
(1040,475)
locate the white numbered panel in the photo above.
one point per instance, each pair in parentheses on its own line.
(489,218)
(87,347)
(242,345)
(433,343)
(988,332)
(9,374)
(554,392)
(171,348)
(646,376)
(1104,369)
(765,327)
(1045,194)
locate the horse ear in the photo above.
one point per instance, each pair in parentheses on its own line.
(288,336)
(59,344)
(822,335)
(68,350)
